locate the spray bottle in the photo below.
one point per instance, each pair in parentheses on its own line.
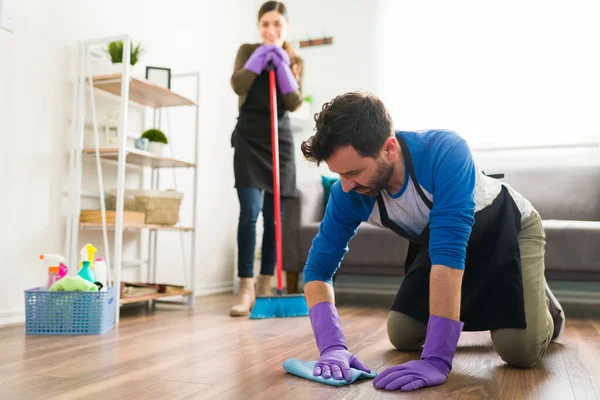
(87,272)
(52,262)
(87,254)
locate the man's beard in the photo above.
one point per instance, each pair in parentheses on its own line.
(379,181)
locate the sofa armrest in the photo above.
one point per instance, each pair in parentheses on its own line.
(307,208)
(290,234)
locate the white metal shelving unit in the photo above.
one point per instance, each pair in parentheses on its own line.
(128,90)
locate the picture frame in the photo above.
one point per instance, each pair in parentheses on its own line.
(159,76)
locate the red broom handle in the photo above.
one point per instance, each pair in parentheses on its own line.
(276,189)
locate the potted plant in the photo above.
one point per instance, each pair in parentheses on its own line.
(114,50)
(156,140)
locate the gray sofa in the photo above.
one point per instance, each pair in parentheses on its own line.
(567,198)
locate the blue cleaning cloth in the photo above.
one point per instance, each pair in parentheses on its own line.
(304,369)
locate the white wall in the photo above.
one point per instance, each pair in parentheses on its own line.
(436,65)
(502,74)
(349,64)
(35,63)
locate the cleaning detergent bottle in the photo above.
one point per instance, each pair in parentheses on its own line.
(53,276)
(87,272)
(52,262)
(100,268)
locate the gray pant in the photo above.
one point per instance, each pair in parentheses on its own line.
(517,347)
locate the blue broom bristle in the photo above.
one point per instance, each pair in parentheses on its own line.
(279,307)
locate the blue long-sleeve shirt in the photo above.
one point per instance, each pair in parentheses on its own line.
(447,174)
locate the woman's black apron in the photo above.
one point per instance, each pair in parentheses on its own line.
(492,287)
(252,161)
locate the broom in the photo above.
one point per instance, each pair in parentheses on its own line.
(290,305)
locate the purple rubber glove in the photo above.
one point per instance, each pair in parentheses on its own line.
(335,358)
(285,79)
(258,59)
(278,56)
(435,363)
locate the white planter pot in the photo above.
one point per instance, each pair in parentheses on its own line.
(156,148)
(117,68)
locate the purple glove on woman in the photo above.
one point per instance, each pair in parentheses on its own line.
(285,78)
(435,363)
(335,359)
(278,56)
(258,59)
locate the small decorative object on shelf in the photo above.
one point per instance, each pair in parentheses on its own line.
(159,76)
(160,207)
(142,143)
(114,50)
(156,140)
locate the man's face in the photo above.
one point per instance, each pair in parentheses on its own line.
(365,175)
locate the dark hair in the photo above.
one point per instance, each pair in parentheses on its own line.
(280,7)
(355,118)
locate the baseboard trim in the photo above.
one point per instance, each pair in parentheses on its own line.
(205,290)
(8,318)
(577,297)
(383,290)
(563,295)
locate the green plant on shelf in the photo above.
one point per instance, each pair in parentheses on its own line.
(155,135)
(114,50)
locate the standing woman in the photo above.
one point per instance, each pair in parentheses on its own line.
(252,142)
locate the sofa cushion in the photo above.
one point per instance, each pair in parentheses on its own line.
(328,182)
(311,202)
(562,193)
(572,246)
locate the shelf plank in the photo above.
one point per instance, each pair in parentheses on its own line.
(141,158)
(146,297)
(142,91)
(130,226)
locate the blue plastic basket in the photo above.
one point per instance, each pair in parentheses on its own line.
(69,313)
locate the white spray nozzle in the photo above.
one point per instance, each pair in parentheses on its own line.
(52,259)
(87,254)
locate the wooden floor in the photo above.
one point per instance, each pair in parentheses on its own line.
(174,353)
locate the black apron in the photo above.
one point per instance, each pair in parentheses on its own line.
(251,138)
(492,287)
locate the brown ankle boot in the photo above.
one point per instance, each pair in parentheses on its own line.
(263,288)
(245,298)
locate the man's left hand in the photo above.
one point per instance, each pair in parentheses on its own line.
(435,363)
(410,376)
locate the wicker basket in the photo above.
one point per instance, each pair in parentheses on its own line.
(160,207)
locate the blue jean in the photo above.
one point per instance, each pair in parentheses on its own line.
(250,205)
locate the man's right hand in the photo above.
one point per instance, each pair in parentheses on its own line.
(335,359)
(337,362)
